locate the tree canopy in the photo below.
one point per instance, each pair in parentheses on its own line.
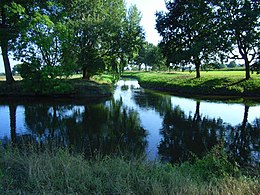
(54,38)
(238,24)
(195,31)
(187,32)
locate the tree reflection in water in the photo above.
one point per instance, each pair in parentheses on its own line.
(100,128)
(243,141)
(185,134)
(111,127)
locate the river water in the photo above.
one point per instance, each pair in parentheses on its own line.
(136,121)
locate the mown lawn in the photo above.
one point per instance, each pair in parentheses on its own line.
(222,83)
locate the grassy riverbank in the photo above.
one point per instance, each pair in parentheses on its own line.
(99,86)
(217,83)
(60,172)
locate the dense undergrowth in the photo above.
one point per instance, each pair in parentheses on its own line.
(59,171)
(98,86)
(217,83)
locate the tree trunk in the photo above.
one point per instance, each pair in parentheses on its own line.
(197,112)
(247,66)
(12,113)
(86,74)
(197,66)
(244,123)
(4,48)
(8,72)
(243,52)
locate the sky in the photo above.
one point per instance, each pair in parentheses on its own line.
(147,8)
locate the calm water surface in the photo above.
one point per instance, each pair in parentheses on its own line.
(136,121)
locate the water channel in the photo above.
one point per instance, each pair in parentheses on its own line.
(136,121)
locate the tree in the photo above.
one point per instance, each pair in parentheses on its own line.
(232,64)
(6,34)
(41,43)
(187,31)
(150,55)
(107,36)
(12,22)
(238,24)
(133,38)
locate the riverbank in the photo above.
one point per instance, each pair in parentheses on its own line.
(66,88)
(57,171)
(212,83)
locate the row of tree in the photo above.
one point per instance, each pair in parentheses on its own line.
(56,37)
(200,31)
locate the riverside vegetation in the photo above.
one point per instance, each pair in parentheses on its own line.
(59,171)
(99,86)
(217,83)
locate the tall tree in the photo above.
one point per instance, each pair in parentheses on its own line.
(187,32)
(238,24)
(133,36)
(107,36)
(6,33)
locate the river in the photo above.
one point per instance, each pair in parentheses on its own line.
(136,121)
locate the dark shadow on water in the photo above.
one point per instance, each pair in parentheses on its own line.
(107,128)
(184,135)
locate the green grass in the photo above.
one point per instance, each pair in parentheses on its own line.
(217,83)
(60,172)
(16,78)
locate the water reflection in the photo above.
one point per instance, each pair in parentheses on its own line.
(104,128)
(136,121)
(183,135)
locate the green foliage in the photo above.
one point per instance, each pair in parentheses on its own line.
(215,165)
(107,35)
(256,67)
(151,55)
(46,78)
(213,66)
(238,23)
(187,31)
(232,64)
(103,35)
(195,31)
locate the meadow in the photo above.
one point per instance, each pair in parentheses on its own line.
(216,83)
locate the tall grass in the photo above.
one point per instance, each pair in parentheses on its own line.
(60,172)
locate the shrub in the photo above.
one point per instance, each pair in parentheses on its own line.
(43,80)
(215,165)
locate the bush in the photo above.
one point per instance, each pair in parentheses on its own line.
(43,80)
(215,165)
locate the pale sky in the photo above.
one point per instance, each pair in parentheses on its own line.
(147,8)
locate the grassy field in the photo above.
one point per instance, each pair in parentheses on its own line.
(217,83)
(16,78)
(59,172)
